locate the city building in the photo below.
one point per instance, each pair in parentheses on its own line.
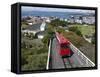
(89,19)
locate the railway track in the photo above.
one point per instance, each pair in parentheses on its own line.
(67,62)
(72,62)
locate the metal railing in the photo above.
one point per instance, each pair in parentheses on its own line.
(48,60)
(88,62)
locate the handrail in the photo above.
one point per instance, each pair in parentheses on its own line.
(87,60)
(48,60)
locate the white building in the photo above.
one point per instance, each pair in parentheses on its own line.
(48,20)
(42,27)
(36,29)
(40,34)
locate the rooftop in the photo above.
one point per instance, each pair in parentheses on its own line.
(34,27)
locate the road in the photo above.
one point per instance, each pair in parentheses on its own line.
(57,62)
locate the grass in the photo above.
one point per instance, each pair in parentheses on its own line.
(87,48)
(86,29)
(77,40)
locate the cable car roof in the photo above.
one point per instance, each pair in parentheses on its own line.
(62,39)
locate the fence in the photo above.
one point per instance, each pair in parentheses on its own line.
(49,53)
(88,62)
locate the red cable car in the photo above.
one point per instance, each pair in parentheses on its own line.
(64,51)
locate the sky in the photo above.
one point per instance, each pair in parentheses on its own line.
(45,9)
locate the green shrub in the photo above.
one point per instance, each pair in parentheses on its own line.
(35,62)
(93,39)
(76,30)
(57,22)
(60,30)
(73,29)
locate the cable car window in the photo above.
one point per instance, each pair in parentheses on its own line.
(64,46)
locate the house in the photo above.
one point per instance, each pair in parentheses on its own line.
(32,29)
(40,34)
(42,26)
(35,28)
(48,20)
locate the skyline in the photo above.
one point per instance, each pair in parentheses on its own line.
(46,9)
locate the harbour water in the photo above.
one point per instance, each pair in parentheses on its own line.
(55,14)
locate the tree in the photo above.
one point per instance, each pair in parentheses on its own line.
(58,22)
(49,35)
(45,39)
(35,62)
(73,29)
(76,30)
(23,45)
(50,30)
(55,22)
(93,39)
(60,30)
(23,61)
(32,35)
